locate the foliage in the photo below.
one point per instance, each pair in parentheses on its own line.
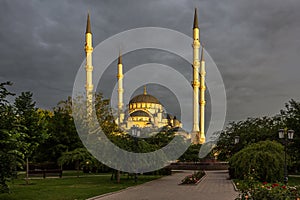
(261,161)
(10,155)
(249,131)
(82,159)
(253,130)
(267,191)
(191,154)
(62,132)
(291,118)
(193,178)
(32,126)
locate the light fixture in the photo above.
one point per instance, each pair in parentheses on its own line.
(236,139)
(281,133)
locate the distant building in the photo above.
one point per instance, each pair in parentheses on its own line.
(145,110)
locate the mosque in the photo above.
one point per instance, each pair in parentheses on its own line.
(145,110)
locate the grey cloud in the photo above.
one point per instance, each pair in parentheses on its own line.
(255,44)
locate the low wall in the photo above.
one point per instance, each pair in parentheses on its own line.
(199,166)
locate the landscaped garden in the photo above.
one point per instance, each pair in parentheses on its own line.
(70,187)
(262,152)
(258,173)
(252,189)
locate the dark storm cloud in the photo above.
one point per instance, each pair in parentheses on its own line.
(255,44)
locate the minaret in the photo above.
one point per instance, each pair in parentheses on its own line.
(120,89)
(196,83)
(202,97)
(89,65)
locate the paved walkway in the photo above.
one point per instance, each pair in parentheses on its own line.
(214,186)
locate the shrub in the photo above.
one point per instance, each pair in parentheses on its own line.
(269,191)
(262,161)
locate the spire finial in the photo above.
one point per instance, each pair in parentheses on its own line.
(145,89)
(195,19)
(120,57)
(88,24)
(202,52)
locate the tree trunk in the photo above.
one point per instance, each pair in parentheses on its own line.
(77,169)
(27,171)
(118,176)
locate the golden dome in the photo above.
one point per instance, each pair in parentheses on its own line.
(144,98)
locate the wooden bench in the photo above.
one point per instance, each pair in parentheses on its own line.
(46,172)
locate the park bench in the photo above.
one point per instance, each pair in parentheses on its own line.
(46,172)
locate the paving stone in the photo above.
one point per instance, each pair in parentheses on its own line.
(214,186)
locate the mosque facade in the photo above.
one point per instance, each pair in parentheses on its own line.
(145,110)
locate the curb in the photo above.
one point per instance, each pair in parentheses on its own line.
(110,193)
(234,186)
(119,191)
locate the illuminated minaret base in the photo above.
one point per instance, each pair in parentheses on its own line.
(196,83)
(120,91)
(202,98)
(89,66)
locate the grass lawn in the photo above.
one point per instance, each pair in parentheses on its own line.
(68,188)
(294,180)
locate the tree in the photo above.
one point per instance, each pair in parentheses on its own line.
(262,161)
(78,156)
(62,132)
(32,127)
(249,132)
(291,118)
(191,154)
(10,156)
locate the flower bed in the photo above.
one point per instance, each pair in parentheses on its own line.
(193,178)
(267,191)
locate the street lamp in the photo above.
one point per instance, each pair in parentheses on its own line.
(135,132)
(286,135)
(236,139)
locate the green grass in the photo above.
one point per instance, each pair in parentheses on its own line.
(66,173)
(294,180)
(68,188)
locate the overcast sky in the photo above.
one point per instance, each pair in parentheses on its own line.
(255,44)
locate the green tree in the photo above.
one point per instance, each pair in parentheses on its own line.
(249,131)
(32,127)
(291,118)
(10,156)
(62,132)
(262,161)
(191,154)
(78,157)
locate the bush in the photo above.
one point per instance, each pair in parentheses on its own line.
(262,161)
(268,191)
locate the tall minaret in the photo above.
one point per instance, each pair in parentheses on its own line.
(120,90)
(202,97)
(89,65)
(196,83)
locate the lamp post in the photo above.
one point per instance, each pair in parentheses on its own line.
(236,139)
(135,132)
(285,135)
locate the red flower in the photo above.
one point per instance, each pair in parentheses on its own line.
(284,186)
(275,185)
(265,183)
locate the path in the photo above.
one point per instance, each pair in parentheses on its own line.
(214,186)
